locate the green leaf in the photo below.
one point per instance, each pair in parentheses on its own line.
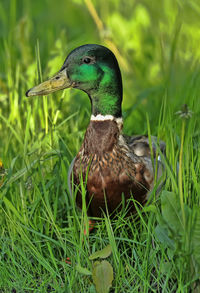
(104,253)
(171,211)
(102,275)
(162,235)
(92,289)
(165,267)
(150,208)
(83,271)
(11,207)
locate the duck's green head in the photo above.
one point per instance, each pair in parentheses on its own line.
(94,70)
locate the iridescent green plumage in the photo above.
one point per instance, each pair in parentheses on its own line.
(93,69)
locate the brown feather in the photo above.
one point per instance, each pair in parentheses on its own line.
(114,169)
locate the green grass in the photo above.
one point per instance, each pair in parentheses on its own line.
(158,50)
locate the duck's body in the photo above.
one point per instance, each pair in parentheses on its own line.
(114,166)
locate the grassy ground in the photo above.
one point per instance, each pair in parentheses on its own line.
(157,46)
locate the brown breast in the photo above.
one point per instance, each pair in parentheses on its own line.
(112,171)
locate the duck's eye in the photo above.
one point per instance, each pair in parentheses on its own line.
(88,60)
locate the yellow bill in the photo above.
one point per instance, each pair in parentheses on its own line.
(57,82)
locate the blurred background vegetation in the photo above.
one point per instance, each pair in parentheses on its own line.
(157,44)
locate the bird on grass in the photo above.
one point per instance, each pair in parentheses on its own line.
(115,167)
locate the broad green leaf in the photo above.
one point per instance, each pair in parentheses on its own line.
(104,253)
(170,253)
(102,275)
(171,210)
(83,271)
(92,289)
(162,235)
(165,267)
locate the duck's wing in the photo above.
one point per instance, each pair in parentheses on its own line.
(140,146)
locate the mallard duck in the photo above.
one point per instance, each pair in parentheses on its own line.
(116,166)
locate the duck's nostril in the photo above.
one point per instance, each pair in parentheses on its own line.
(57,77)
